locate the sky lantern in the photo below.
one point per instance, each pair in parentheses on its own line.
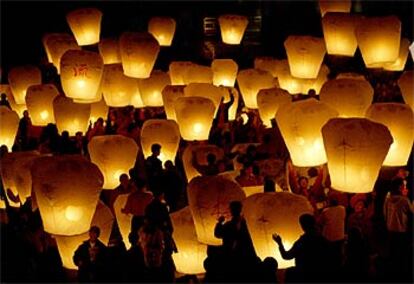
(177,71)
(163,132)
(399,119)
(209,198)
(19,109)
(379,40)
(343,6)
(71,116)
(99,110)
(305,55)
(21,78)
(399,64)
(67,189)
(123,220)
(287,81)
(269,213)
(250,82)
(39,101)
(136,98)
(406,84)
(81,75)
(117,88)
(269,101)
(224,72)
(86,25)
(268,64)
(114,155)
(151,88)
(57,44)
(300,124)
(191,253)
(169,94)
(232,28)
(196,73)
(316,84)
(350,97)
(194,117)
(339,33)
(205,90)
(9,126)
(109,50)
(139,50)
(46,47)
(356,149)
(163,29)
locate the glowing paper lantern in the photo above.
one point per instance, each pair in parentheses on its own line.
(152,87)
(138,53)
(9,125)
(4,88)
(268,64)
(269,101)
(232,28)
(99,109)
(343,6)
(300,124)
(123,220)
(287,81)
(305,55)
(114,155)
(250,82)
(356,149)
(117,88)
(57,44)
(399,64)
(163,29)
(191,253)
(209,198)
(67,190)
(197,74)
(21,78)
(399,119)
(350,97)
(316,84)
(269,213)
(379,40)
(406,84)
(109,50)
(39,101)
(85,25)
(169,94)
(177,71)
(339,33)
(194,117)
(163,132)
(205,90)
(412,50)
(224,72)
(71,116)
(136,99)
(46,47)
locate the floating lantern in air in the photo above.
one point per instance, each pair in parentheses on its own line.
(81,75)
(300,124)
(287,81)
(191,253)
(269,213)
(399,119)
(406,84)
(117,88)
(268,64)
(350,97)
(163,29)
(356,149)
(163,132)
(339,33)
(316,84)
(269,101)
(138,53)
(67,190)
(224,72)
(205,90)
(85,25)
(379,40)
(109,50)
(71,116)
(194,117)
(197,74)
(305,55)
(250,82)
(343,6)
(21,78)
(9,126)
(57,44)
(177,71)
(114,155)
(169,94)
(209,198)
(46,47)
(39,101)
(399,64)
(136,99)
(99,110)
(123,220)
(232,28)
(151,88)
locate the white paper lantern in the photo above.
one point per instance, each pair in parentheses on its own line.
(21,78)
(163,29)
(86,25)
(71,116)
(250,82)
(269,101)
(224,72)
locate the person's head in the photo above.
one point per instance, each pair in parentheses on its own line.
(25,114)
(94,233)
(65,134)
(169,165)
(333,201)
(100,121)
(303,182)
(269,185)
(270,264)
(359,206)
(124,180)
(313,172)
(211,158)
(307,222)
(397,186)
(3,150)
(78,135)
(156,149)
(3,97)
(235,208)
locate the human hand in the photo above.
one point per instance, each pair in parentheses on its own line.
(277,239)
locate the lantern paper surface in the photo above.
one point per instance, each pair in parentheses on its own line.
(224,72)
(19,109)
(163,29)
(169,94)
(399,64)
(123,220)
(269,101)
(9,121)
(21,78)
(39,101)
(67,190)
(406,84)
(71,116)
(250,82)
(232,28)
(196,73)
(350,97)
(151,88)
(399,119)
(109,50)
(343,6)
(269,213)
(300,124)
(305,55)
(411,47)
(316,84)
(177,71)
(205,90)
(114,155)
(85,25)
(194,117)
(99,110)
(191,253)
(268,64)
(57,45)
(138,53)
(46,47)
(209,198)
(136,99)
(287,81)
(117,88)
(356,149)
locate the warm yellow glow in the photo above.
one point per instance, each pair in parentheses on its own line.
(57,44)
(224,72)
(169,95)
(70,116)
(205,90)
(73,213)
(22,77)
(9,126)
(268,64)
(343,6)
(152,87)
(399,64)
(232,28)
(118,89)
(316,84)
(39,102)
(163,29)
(251,81)
(269,101)
(99,109)
(123,220)
(85,25)
(406,84)
(245,118)
(177,71)
(196,73)
(109,50)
